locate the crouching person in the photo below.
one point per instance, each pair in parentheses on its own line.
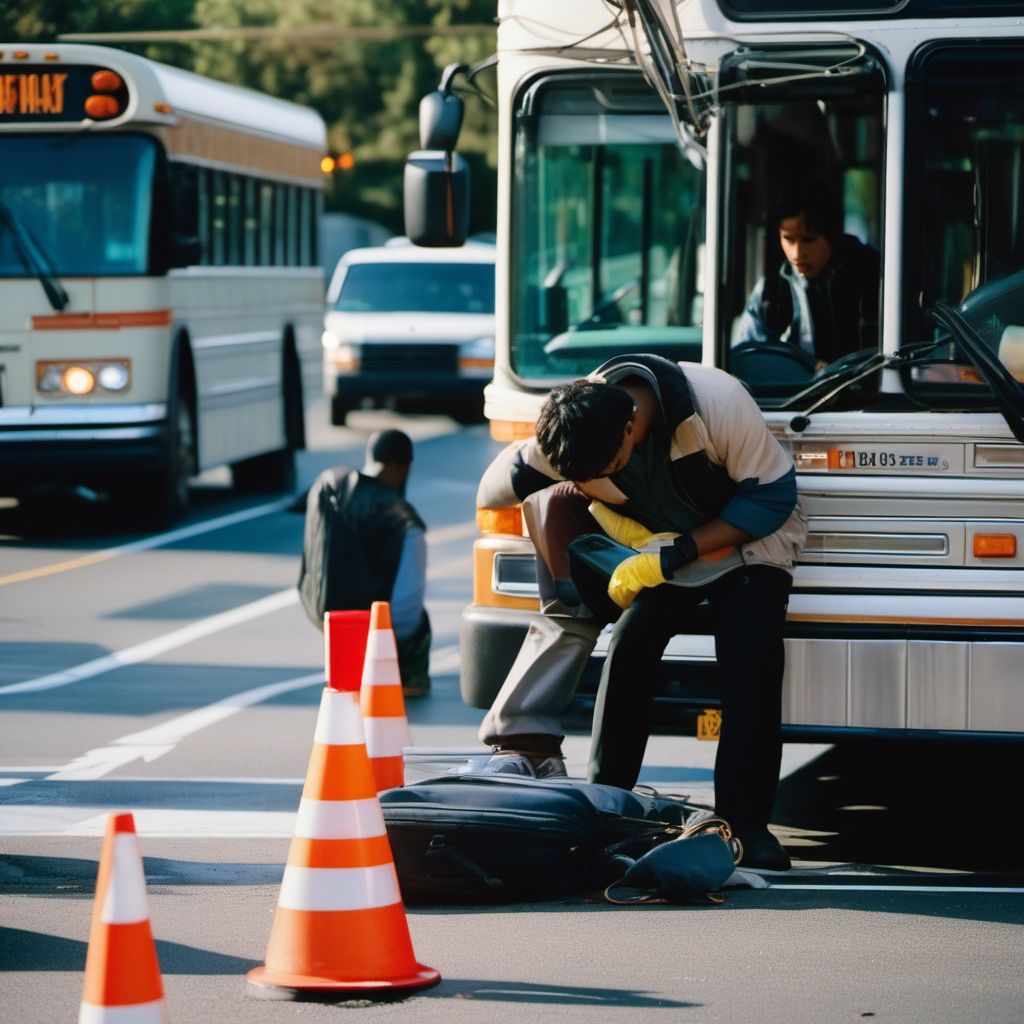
(676,465)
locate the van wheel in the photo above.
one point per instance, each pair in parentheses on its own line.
(340,408)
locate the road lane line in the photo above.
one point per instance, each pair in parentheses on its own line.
(158,645)
(146,543)
(149,744)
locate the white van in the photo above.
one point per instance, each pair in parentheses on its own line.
(410,327)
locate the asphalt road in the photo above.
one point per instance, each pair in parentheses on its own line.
(177,677)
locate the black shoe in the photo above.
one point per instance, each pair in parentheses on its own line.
(761,849)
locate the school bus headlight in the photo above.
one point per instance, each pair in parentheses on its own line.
(113,377)
(62,378)
(77,380)
(500,520)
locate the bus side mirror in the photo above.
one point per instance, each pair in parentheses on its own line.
(440,120)
(436,198)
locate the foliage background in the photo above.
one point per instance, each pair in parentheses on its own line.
(368,92)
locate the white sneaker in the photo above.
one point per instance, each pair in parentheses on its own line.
(551,768)
(510,764)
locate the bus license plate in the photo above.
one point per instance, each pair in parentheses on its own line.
(883,459)
(709,724)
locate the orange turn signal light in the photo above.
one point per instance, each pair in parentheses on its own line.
(500,520)
(995,545)
(511,430)
(106,81)
(99,107)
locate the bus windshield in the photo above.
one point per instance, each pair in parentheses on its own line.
(965,237)
(85,200)
(607,227)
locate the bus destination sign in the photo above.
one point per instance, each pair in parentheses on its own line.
(45,93)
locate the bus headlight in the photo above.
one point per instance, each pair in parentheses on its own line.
(82,378)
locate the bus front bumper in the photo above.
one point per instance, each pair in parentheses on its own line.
(93,445)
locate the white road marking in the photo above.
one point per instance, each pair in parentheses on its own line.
(149,744)
(158,645)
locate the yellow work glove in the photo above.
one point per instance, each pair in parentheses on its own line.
(632,576)
(623,529)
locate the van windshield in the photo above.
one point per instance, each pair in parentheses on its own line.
(417,287)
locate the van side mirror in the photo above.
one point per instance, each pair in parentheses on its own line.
(436,198)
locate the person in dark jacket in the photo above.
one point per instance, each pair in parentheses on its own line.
(824,297)
(379,539)
(676,464)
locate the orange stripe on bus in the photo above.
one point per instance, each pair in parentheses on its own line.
(102,321)
(137,977)
(339,853)
(909,620)
(339,773)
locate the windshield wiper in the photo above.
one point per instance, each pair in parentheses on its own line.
(1005,388)
(822,391)
(34,257)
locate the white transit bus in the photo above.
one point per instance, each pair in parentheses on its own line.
(161,301)
(641,143)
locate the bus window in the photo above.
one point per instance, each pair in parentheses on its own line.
(965,237)
(86,200)
(793,156)
(605,233)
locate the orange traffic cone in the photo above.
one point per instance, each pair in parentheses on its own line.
(387,728)
(122,976)
(340,930)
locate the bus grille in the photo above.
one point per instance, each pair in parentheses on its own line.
(407,359)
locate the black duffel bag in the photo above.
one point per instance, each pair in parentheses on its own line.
(504,837)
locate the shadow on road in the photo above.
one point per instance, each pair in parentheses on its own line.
(23,950)
(936,807)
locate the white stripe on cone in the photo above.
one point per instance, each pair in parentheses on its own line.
(125,899)
(381,665)
(339,888)
(339,819)
(387,737)
(340,722)
(137,1013)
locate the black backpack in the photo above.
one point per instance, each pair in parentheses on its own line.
(327,547)
(503,837)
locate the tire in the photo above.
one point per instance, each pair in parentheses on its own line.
(160,498)
(340,408)
(468,411)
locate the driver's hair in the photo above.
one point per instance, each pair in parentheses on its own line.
(581,426)
(816,200)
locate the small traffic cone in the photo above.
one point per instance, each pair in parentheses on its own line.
(122,976)
(340,930)
(382,702)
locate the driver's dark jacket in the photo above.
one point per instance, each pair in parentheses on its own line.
(721,457)
(830,316)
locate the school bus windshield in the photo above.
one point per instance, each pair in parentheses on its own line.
(607,227)
(86,201)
